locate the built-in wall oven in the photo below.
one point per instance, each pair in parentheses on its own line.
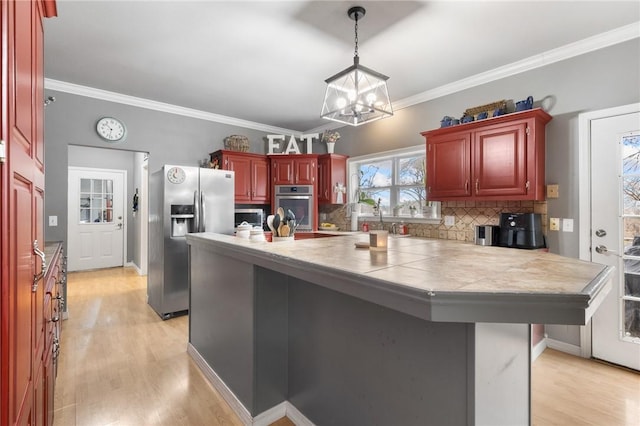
(299,199)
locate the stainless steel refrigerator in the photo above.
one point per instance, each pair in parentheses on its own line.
(182,200)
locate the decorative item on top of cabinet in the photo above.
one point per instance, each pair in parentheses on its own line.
(332,178)
(499,158)
(236,143)
(299,169)
(251,175)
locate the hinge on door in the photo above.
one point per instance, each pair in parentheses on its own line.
(3,152)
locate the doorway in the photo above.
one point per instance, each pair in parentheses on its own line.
(135,163)
(610,227)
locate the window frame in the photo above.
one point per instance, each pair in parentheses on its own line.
(395,156)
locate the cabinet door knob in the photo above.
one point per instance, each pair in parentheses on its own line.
(477,185)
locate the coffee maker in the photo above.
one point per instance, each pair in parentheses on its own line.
(521,230)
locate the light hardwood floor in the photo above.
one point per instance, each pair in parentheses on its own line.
(120,364)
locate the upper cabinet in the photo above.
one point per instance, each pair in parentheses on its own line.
(332,173)
(500,158)
(294,169)
(251,175)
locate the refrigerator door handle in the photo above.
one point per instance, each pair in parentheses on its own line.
(203,213)
(196,211)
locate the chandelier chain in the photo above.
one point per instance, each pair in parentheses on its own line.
(356,37)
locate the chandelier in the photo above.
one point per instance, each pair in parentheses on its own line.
(356,95)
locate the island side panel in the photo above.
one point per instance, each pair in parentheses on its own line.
(271,338)
(221,318)
(355,362)
(502,377)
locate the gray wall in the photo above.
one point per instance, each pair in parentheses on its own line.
(168,138)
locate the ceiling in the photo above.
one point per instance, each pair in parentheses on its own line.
(266,61)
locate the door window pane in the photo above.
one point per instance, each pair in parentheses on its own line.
(96,201)
(632,318)
(630,302)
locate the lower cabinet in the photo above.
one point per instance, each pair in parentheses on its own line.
(52,306)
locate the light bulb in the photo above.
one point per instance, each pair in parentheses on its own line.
(341,103)
(371,98)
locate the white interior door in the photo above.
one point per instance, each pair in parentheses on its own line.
(615,235)
(96,222)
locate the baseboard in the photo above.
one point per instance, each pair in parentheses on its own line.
(538,349)
(271,415)
(220,386)
(296,416)
(563,347)
(279,411)
(263,419)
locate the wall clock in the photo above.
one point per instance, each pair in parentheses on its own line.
(176,175)
(111,129)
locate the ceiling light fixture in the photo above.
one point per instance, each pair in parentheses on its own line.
(356,95)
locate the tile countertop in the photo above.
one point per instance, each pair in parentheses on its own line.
(438,280)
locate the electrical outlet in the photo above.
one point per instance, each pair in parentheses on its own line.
(553,191)
(53,220)
(567,225)
(449,220)
(554,224)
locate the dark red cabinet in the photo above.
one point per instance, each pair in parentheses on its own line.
(500,158)
(299,169)
(22,190)
(332,171)
(251,175)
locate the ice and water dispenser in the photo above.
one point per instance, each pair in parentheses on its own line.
(182,219)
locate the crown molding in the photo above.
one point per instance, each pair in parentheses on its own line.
(590,44)
(105,95)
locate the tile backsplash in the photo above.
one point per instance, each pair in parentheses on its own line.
(467,214)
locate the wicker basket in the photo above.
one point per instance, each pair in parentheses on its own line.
(236,143)
(489,108)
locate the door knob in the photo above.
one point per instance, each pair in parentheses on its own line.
(602,249)
(601,233)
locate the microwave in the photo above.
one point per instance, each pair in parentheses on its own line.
(254,217)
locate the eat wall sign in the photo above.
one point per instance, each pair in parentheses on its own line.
(292,146)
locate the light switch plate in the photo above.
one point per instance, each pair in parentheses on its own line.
(554,224)
(53,220)
(553,191)
(567,225)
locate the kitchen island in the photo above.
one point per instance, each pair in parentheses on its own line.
(427,332)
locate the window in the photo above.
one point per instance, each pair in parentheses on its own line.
(394,181)
(96,200)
